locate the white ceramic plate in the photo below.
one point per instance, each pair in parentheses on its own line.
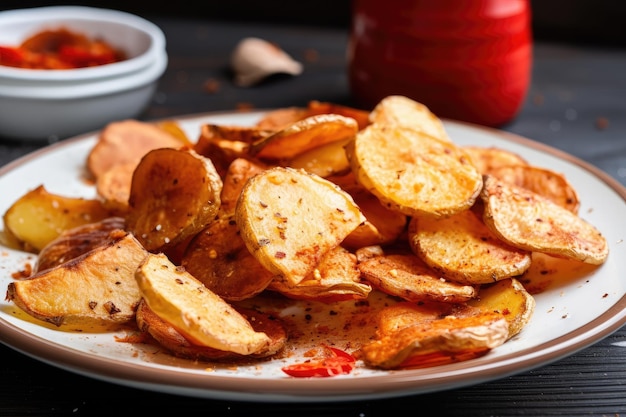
(577,306)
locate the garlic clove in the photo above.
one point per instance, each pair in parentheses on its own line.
(254,59)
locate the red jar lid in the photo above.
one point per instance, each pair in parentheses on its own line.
(469,60)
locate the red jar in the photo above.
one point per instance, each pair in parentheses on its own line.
(467,60)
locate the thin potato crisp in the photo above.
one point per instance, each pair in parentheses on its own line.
(465,250)
(529,221)
(412,172)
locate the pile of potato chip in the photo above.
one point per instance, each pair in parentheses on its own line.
(324,204)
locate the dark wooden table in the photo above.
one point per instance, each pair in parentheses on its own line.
(577,103)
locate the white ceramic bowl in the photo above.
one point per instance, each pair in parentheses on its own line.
(44,104)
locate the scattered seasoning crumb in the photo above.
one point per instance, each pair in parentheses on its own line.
(244,106)
(602,123)
(605,295)
(211,86)
(24,273)
(311,55)
(137,337)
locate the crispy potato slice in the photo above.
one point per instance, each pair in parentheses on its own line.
(290,218)
(324,107)
(510,298)
(113,186)
(326,160)
(546,182)
(196,312)
(304,135)
(127,141)
(38,217)
(406,276)
(113,180)
(403,111)
(405,314)
(219,258)
(167,336)
(368,252)
(239,172)
(279,119)
(383,226)
(222,144)
(74,242)
(98,286)
(174,194)
(488,158)
(234,133)
(336,278)
(465,250)
(526,220)
(429,341)
(173,128)
(412,172)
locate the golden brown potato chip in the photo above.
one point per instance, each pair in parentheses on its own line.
(234,133)
(127,141)
(510,298)
(289,219)
(408,277)
(173,128)
(39,216)
(113,186)
(96,287)
(383,226)
(219,258)
(405,314)
(434,341)
(336,278)
(304,135)
(174,194)
(543,181)
(325,161)
(239,172)
(223,144)
(199,314)
(526,220)
(464,250)
(74,242)
(280,118)
(324,107)
(403,111)
(412,172)
(488,158)
(171,339)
